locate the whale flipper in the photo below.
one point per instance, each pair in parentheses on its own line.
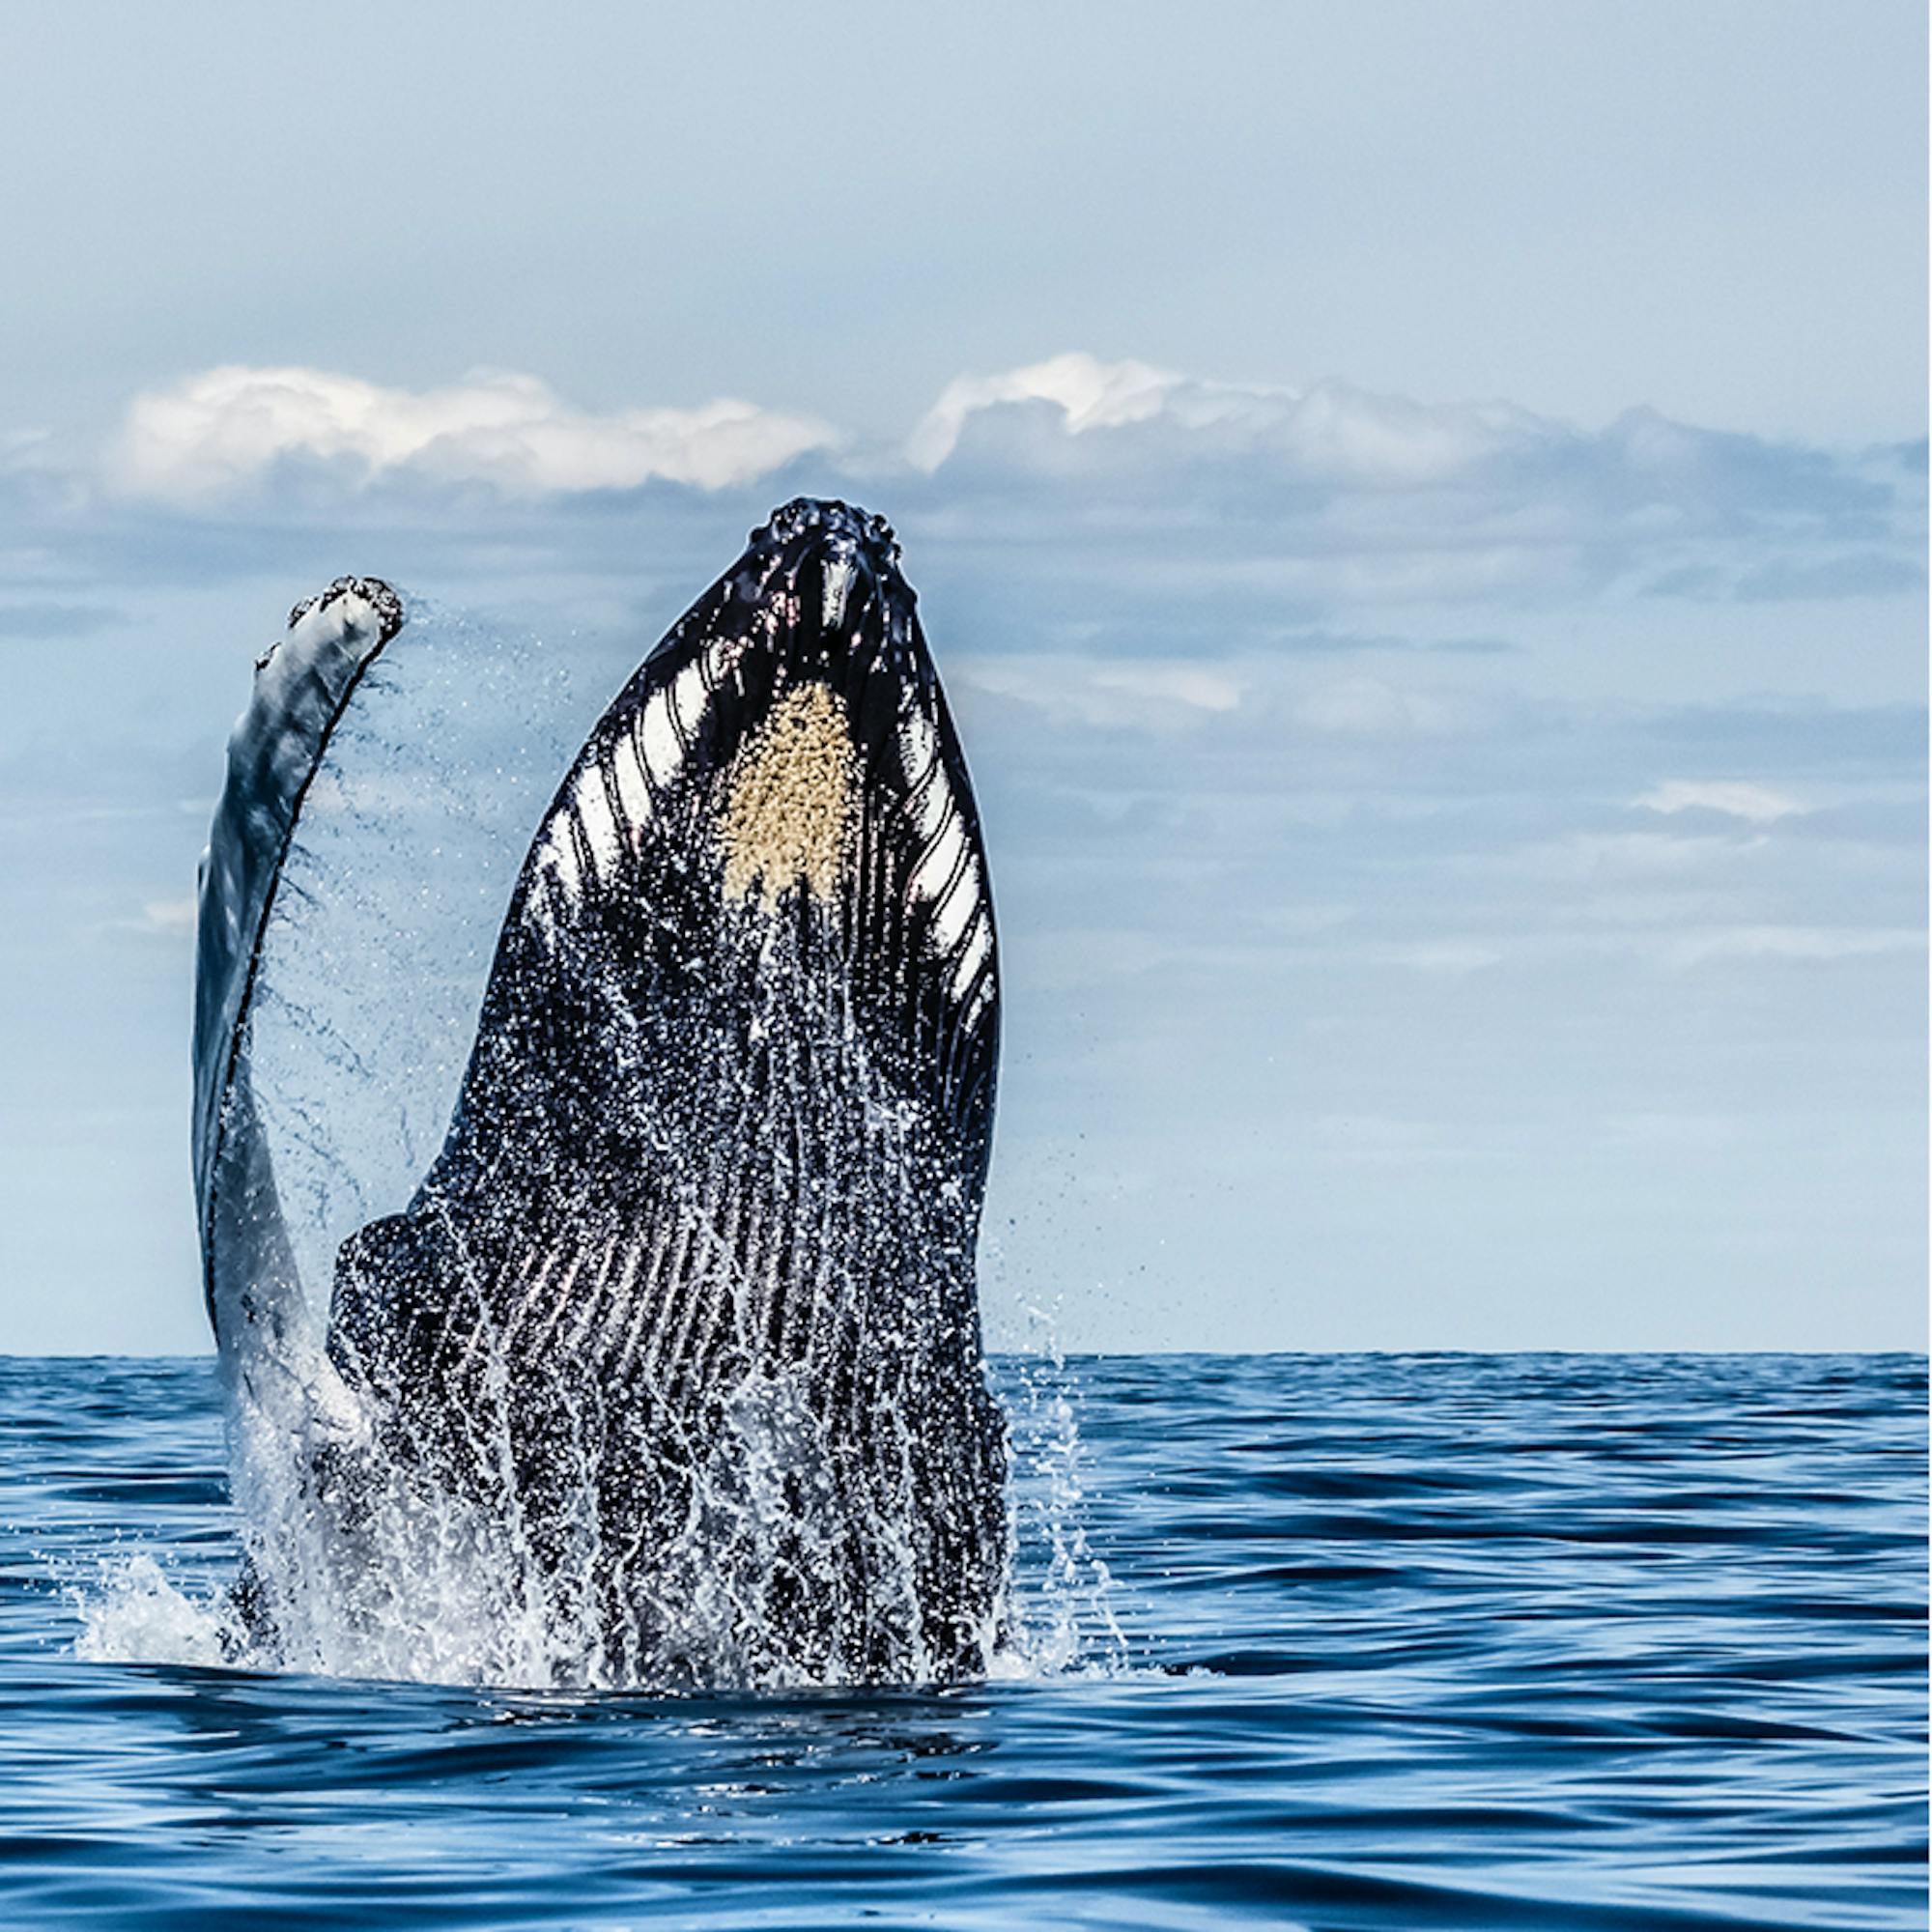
(303,686)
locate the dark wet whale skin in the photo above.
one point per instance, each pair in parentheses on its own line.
(713,1183)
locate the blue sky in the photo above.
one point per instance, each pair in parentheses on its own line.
(1421,511)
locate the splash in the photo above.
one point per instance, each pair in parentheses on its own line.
(136,1613)
(441,1595)
(1062,1612)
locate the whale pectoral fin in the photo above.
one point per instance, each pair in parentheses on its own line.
(301,690)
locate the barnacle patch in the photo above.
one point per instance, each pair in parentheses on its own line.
(788,800)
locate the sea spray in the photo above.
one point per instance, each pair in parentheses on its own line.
(445,1596)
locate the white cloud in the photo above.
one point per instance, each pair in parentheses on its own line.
(1794,942)
(1189,685)
(1090,394)
(217,431)
(1332,495)
(1257,497)
(1588,856)
(1452,957)
(1149,695)
(1328,430)
(1736,798)
(173,917)
(1367,707)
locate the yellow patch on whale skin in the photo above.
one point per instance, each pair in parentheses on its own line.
(788,800)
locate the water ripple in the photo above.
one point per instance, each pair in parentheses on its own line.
(1521,1642)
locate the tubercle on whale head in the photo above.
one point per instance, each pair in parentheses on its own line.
(824,577)
(842,524)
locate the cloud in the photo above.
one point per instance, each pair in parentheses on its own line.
(1853,573)
(1190,686)
(1589,856)
(1759,804)
(1456,957)
(1794,942)
(1089,394)
(1330,494)
(1329,431)
(1143,695)
(211,434)
(171,916)
(1129,506)
(44,622)
(1365,708)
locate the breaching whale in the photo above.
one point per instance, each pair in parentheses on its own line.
(685,1306)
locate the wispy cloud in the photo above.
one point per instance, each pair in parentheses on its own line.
(1144,694)
(1822,944)
(1366,707)
(1734,798)
(44,622)
(172,919)
(1453,956)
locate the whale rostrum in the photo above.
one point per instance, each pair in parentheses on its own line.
(685,1303)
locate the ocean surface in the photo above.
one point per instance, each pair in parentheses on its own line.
(1325,1641)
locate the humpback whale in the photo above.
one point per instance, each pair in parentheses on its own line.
(683,1314)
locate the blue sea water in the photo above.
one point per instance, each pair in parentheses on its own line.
(1350,1641)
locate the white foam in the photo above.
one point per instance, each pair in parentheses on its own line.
(139,1616)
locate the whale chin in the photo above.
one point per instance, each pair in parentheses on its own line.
(687,1299)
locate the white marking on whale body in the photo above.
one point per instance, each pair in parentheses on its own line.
(955,911)
(648,1292)
(919,749)
(560,1301)
(977,1005)
(559,858)
(948,877)
(974,955)
(627,767)
(658,742)
(601,833)
(837,587)
(937,867)
(690,698)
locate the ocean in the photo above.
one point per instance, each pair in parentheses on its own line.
(1323,1642)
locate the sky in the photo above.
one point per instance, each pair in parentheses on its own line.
(1420,511)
